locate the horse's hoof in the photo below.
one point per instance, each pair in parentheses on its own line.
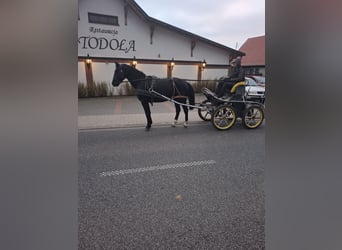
(174,123)
(147,128)
(185,124)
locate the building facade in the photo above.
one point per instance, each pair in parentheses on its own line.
(112,31)
(254,62)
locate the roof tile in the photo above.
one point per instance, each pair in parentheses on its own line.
(255,51)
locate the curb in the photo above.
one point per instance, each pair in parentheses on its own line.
(131,121)
(133,126)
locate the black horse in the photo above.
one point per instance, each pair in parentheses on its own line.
(174,88)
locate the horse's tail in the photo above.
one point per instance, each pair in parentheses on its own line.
(191,95)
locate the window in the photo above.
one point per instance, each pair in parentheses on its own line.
(250,71)
(103,19)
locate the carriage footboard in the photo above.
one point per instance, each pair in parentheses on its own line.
(207,91)
(211,95)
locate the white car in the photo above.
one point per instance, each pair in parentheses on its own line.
(254,91)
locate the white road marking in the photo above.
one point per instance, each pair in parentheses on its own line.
(159,167)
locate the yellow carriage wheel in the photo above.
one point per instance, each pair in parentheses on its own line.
(223,117)
(253,117)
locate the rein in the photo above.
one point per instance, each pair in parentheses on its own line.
(150,90)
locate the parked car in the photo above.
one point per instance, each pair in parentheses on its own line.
(261,80)
(255,92)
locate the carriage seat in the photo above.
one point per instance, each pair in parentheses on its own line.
(238,88)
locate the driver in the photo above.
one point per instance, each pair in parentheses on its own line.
(237,75)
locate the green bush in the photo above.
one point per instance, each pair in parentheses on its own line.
(130,90)
(82,90)
(94,90)
(126,89)
(91,90)
(210,84)
(101,89)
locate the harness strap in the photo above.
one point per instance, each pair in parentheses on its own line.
(147,79)
(151,93)
(175,89)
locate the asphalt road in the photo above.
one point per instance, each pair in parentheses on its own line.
(172,188)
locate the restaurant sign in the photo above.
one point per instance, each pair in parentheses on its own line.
(102,43)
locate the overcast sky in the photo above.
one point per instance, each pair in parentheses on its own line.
(228,22)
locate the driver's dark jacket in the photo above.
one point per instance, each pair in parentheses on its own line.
(237,75)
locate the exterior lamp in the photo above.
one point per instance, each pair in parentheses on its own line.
(203,65)
(172,64)
(88,60)
(134,62)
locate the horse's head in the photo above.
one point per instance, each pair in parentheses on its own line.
(119,75)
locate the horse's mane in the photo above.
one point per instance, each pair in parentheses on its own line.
(133,70)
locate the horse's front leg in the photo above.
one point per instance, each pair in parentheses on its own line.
(177,115)
(186,113)
(147,110)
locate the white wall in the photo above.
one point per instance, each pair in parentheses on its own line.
(103,72)
(158,70)
(210,74)
(81,73)
(185,71)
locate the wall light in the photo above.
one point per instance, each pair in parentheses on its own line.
(172,64)
(88,60)
(134,62)
(204,63)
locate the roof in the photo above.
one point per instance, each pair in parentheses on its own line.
(255,51)
(140,12)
